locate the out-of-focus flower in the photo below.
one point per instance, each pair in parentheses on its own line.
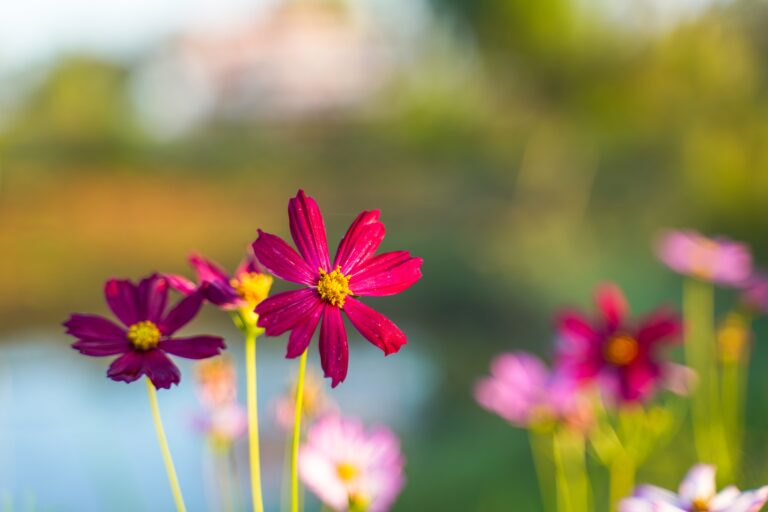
(316,402)
(620,356)
(697,493)
(348,468)
(523,391)
(243,290)
(223,425)
(719,260)
(330,289)
(733,337)
(147,338)
(755,293)
(216,381)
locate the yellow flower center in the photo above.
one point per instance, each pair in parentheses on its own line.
(252,287)
(144,335)
(333,287)
(621,350)
(347,472)
(699,505)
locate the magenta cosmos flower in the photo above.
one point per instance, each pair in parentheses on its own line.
(146,337)
(329,288)
(619,355)
(247,287)
(697,493)
(523,391)
(719,260)
(348,468)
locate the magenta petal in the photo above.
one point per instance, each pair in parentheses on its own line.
(374,326)
(361,241)
(221,295)
(128,367)
(286,310)
(101,348)
(639,380)
(302,333)
(611,304)
(308,231)
(160,369)
(93,327)
(121,298)
(152,294)
(575,327)
(281,260)
(660,325)
(181,314)
(334,351)
(180,283)
(249,265)
(207,270)
(386,274)
(193,347)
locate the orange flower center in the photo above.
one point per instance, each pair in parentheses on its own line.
(252,287)
(144,335)
(621,350)
(347,472)
(699,505)
(333,287)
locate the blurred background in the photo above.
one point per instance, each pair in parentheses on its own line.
(526,150)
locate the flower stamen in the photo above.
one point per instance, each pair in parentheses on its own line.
(621,350)
(333,287)
(252,287)
(699,505)
(347,472)
(144,335)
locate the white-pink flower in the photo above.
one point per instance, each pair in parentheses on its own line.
(718,260)
(349,468)
(697,493)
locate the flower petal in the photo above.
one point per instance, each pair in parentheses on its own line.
(698,483)
(128,367)
(151,297)
(657,494)
(750,501)
(639,379)
(660,325)
(160,369)
(207,270)
(374,326)
(182,313)
(193,347)
(334,351)
(302,333)
(612,304)
(180,283)
(386,274)
(308,231)
(361,241)
(121,298)
(221,295)
(286,310)
(281,260)
(249,265)
(93,327)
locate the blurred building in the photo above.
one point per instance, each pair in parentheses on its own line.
(306,58)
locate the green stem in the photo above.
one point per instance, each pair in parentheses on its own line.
(541,452)
(297,433)
(253,419)
(167,459)
(622,478)
(571,480)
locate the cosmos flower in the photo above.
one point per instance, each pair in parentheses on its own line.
(754,295)
(146,339)
(243,290)
(523,391)
(348,468)
(718,260)
(329,288)
(619,355)
(223,420)
(697,493)
(315,404)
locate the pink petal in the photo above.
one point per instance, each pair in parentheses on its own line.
(194,347)
(93,327)
(249,265)
(182,313)
(301,335)
(152,294)
(308,231)
(207,270)
(639,380)
(361,241)
(281,260)
(698,483)
(334,351)
(121,298)
(101,348)
(611,303)
(575,327)
(160,369)
(374,326)
(661,325)
(386,274)
(286,310)
(180,283)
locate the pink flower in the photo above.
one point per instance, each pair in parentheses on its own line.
(224,424)
(329,288)
(697,493)
(755,293)
(248,286)
(147,338)
(619,355)
(523,391)
(719,260)
(224,420)
(316,403)
(348,468)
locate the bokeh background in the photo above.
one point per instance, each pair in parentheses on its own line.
(526,150)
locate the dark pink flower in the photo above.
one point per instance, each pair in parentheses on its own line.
(754,295)
(619,355)
(146,339)
(329,288)
(247,287)
(718,260)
